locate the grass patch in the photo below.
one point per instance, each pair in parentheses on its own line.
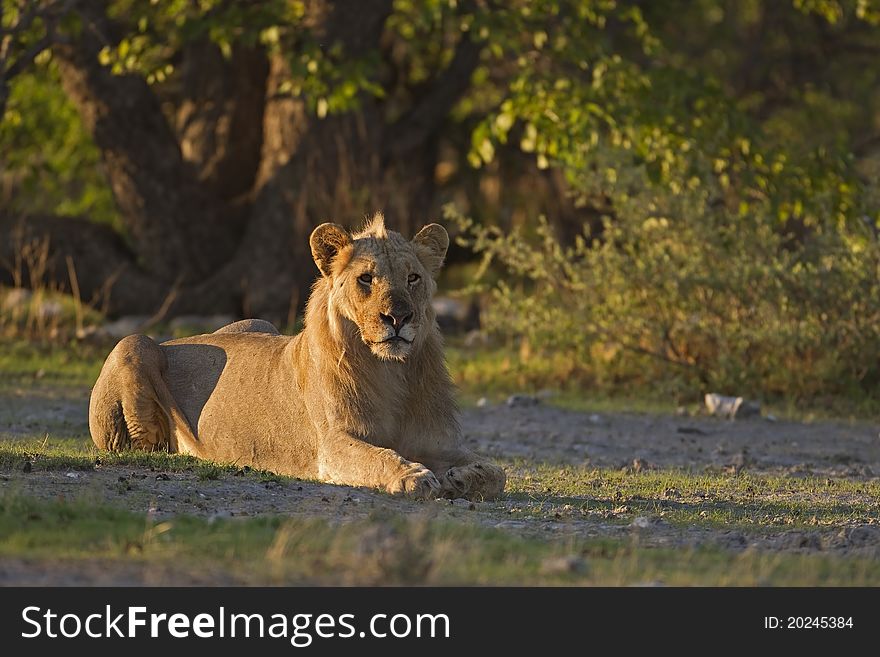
(422,549)
(80,454)
(705,499)
(496,372)
(386,549)
(209,471)
(24,363)
(745,501)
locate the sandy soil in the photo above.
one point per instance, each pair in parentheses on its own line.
(546,434)
(537,433)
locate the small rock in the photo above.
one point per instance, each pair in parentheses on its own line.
(641,522)
(72,475)
(770,418)
(522,400)
(731,407)
(162,477)
(455,314)
(90,333)
(125,326)
(27,467)
(15,298)
(482,402)
(595,418)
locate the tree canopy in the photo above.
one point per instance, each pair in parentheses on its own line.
(183,149)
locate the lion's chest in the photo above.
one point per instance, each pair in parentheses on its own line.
(376,414)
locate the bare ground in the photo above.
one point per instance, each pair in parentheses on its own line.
(518,436)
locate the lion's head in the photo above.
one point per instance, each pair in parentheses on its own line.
(381,282)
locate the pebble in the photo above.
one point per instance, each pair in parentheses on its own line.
(523,400)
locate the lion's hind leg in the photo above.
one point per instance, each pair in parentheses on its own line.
(125,408)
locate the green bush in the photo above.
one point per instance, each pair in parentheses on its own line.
(679,292)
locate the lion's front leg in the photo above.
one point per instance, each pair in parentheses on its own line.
(345,459)
(474,481)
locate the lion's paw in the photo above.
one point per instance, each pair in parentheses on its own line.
(417,481)
(474,481)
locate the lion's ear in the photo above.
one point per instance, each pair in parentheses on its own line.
(431,243)
(327,241)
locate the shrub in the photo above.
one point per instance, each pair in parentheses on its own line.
(687,288)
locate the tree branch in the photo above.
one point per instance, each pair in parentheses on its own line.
(50,13)
(423,120)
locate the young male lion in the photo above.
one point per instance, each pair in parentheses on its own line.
(361,396)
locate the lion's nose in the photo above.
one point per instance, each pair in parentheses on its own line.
(396,319)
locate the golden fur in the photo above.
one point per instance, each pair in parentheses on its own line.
(361,396)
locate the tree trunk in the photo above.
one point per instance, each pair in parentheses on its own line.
(219,208)
(176,227)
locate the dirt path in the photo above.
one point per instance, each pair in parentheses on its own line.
(516,435)
(546,434)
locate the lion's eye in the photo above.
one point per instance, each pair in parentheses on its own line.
(413,278)
(366,279)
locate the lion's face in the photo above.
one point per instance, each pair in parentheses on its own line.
(382,282)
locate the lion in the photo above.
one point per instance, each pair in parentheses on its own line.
(360,397)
